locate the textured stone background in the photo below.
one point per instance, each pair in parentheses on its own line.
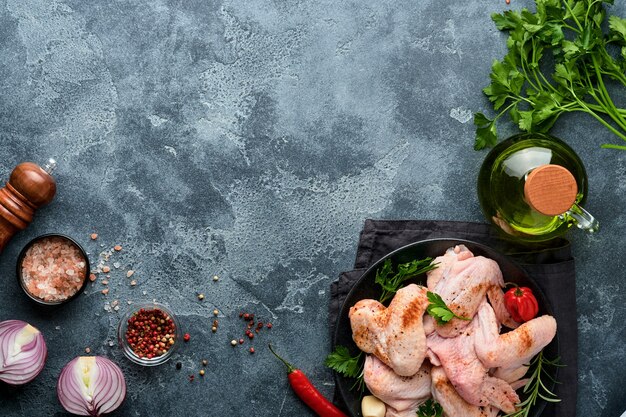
(250,139)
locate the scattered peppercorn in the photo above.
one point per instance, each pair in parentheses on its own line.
(94,236)
(179,365)
(129,273)
(268,325)
(241,341)
(201,372)
(215,278)
(215,313)
(200,297)
(87,350)
(186,337)
(106,269)
(213,329)
(251,350)
(233,342)
(204,362)
(117,248)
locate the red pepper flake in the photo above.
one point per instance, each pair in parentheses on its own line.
(251,350)
(191,378)
(186,337)
(150,333)
(241,341)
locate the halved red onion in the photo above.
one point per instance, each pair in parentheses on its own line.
(91,386)
(23,352)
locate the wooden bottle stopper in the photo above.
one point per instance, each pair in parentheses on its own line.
(550,190)
(28,188)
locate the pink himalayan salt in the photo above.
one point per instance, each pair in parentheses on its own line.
(53,269)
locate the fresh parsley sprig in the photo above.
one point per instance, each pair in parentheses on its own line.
(391,282)
(559,59)
(430,408)
(536,388)
(438,309)
(349,366)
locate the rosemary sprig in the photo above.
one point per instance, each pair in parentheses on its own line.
(535,388)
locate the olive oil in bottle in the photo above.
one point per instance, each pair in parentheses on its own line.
(531,186)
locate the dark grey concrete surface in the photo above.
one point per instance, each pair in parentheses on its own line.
(250,139)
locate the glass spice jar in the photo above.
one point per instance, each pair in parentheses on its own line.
(146,341)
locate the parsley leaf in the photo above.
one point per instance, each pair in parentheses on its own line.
(558,61)
(438,309)
(349,366)
(391,282)
(430,408)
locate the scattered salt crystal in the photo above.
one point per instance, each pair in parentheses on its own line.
(116,308)
(105,282)
(144,293)
(130,273)
(105,291)
(114,303)
(111,343)
(94,236)
(133,283)
(57,327)
(116,265)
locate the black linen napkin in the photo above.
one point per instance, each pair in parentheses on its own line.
(550,264)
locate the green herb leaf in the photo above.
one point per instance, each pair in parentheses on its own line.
(430,408)
(391,282)
(581,56)
(438,309)
(340,361)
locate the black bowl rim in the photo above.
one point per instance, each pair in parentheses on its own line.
(453,241)
(20,259)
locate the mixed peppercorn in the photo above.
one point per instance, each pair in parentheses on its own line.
(150,333)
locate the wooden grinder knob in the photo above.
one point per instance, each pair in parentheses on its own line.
(550,190)
(29,188)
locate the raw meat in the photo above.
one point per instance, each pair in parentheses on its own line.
(394,334)
(402,394)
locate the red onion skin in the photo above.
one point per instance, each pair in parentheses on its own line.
(68,390)
(33,368)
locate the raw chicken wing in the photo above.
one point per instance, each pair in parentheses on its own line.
(394,334)
(464,282)
(509,352)
(402,394)
(467,373)
(451,402)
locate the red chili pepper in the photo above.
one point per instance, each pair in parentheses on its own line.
(308,393)
(521,303)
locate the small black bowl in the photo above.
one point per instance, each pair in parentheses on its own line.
(20,259)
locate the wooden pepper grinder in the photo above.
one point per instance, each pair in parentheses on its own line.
(30,187)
